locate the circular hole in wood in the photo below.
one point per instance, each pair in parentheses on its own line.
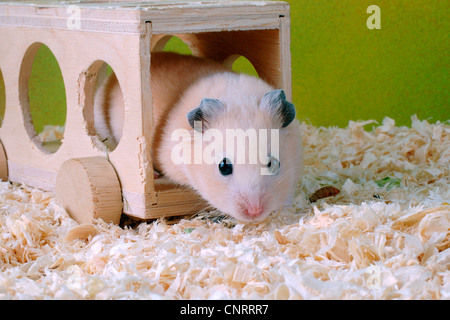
(104,106)
(175,44)
(240,64)
(2,98)
(170,43)
(42,96)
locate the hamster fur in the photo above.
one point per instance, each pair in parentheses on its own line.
(179,87)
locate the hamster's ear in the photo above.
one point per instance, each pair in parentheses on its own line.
(276,102)
(208,110)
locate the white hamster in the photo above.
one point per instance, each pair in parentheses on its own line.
(186,89)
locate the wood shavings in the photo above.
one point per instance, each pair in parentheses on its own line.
(353,246)
(243,275)
(51,133)
(83,231)
(324,192)
(281,240)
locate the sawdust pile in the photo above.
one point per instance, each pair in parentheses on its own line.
(384,236)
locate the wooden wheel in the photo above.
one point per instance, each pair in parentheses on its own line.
(3,164)
(88,188)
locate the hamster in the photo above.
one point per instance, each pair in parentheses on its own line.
(197,96)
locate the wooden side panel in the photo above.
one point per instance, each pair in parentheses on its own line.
(268,50)
(285,55)
(75,52)
(260,47)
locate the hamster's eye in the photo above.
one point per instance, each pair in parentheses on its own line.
(274,165)
(225,167)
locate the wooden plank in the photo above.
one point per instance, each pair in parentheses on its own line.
(285,56)
(215,16)
(114,21)
(32,176)
(174,202)
(167,16)
(165,26)
(145,159)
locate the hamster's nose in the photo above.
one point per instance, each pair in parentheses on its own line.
(254,210)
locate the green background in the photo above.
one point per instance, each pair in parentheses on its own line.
(341,70)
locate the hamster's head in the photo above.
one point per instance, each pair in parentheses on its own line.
(251,154)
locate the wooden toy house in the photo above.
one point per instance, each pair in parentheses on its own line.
(88,179)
